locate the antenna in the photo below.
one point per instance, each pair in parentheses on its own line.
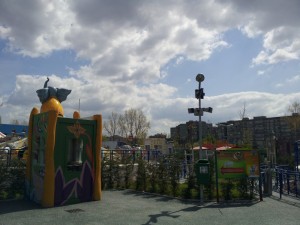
(79,106)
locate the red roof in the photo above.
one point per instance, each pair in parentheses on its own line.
(217,146)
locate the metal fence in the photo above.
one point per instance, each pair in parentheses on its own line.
(12,173)
(8,154)
(286,182)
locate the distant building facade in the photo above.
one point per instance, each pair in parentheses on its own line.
(159,142)
(188,133)
(275,136)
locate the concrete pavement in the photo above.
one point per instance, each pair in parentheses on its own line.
(130,207)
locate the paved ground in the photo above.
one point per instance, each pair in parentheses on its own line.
(129,207)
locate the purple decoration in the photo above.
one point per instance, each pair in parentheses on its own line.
(62,191)
(84,187)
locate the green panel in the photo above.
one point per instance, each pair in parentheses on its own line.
(64,137)
(74,160)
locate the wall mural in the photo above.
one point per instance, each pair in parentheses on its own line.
(81,187)
(38,157)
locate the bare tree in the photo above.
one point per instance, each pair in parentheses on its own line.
(242,112)
(111,125)
(130,116)
(122,128)
(294,108)
(132,123)
(141,125)
(294,119)
(136,123)
(246,134)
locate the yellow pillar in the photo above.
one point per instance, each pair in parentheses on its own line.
(34,111)
(97,182)
(49,179)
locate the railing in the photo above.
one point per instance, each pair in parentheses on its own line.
(286,182)
(7,155)
(116,162)
(12,173)
(148,155)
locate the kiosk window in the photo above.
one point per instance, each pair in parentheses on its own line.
(74,157)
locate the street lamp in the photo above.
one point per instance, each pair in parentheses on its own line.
(199,94)
(200,78)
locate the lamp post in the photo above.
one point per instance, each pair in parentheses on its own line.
(200,78)
(199,94)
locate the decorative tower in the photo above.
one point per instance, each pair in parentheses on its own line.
(63,166)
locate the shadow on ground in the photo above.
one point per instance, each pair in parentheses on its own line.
(9,206)
(211,204)
(192,205)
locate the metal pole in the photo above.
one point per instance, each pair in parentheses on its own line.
(216,171)
(200,127)
(200,141)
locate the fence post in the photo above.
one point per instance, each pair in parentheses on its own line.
(277,177)
(216,173)
(260,187)
(288,182)
(296,184)
(280,183)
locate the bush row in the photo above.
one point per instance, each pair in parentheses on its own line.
(164,177)
(12,179)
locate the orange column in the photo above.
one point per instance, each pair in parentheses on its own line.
(49,179)
(34,111)
(97,182)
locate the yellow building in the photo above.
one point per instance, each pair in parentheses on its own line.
(160,144)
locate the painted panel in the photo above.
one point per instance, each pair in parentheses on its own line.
(238,163)
(39,136)
(74,160)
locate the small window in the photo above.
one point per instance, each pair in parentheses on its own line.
(74,157)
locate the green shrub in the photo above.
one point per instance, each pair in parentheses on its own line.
(152,171)
(12,179)
(174,172)
(163,178)
(227,189)
(141,176)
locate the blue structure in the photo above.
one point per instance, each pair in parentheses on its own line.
(9,129)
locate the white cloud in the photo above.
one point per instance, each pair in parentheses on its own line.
(280,44)
(127,43)
(261,72)
(156,101)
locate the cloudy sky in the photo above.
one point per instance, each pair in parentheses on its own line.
(116,55)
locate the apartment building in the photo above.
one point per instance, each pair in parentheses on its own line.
(274,136)
(187,133)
